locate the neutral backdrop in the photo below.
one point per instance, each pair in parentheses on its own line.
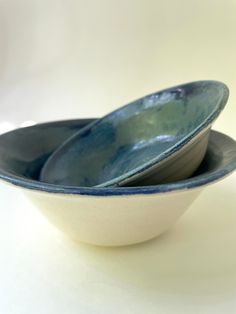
(83,58)
(64,59)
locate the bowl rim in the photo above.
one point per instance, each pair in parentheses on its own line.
(194,182)
(131,175)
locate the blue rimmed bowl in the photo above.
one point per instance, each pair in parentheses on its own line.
(105,216)
(159,138)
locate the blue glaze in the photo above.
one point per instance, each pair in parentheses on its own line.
(24,151)
(126,146)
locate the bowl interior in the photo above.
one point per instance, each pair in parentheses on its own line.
(135,137)
(24,151)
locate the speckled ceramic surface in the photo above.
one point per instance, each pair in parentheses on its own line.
(105,216)
(159,138)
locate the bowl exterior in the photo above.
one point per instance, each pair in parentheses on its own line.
(113,220)
(179,166)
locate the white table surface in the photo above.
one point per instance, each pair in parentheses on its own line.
(190,269)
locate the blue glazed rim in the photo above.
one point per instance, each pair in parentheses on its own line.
(187,184)
(206,123)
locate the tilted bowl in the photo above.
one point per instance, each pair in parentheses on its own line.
(157,139)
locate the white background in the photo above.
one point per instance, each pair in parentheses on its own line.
(74,58)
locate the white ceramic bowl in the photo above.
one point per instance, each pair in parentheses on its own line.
(113,220)
(105,216)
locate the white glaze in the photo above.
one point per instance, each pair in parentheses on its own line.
(113,220)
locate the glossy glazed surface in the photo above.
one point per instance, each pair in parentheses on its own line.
(129,143)
(24,151)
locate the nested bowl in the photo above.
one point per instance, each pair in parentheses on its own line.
(159,138)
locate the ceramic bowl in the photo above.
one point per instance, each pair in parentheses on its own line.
(105,216)
(159,138)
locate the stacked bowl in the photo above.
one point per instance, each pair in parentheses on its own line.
(127,177)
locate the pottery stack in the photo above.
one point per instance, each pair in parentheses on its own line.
(127,177)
